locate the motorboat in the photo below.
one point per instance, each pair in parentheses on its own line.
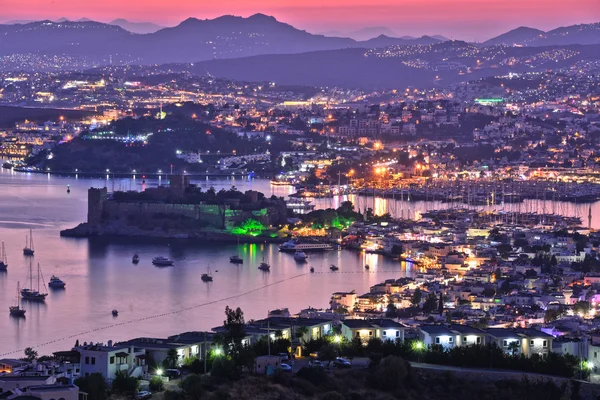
(207,277)
(162,261)
(28,249)
(135,259)
(236,260)
(300,256)
(367,266)
(115,312)
(333,267)
(16,310)
(56,282)
(312,269)
(29,293)
(264,266)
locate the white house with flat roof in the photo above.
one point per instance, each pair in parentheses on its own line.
(437,335)
(108,359)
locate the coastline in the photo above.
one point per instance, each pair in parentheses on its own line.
(85,230)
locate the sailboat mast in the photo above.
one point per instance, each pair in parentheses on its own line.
(30,276)
(38,278)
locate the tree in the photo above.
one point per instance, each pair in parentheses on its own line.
(431,303)
(156,384)
(391,311)
(327,353)
(94,385)
(514,348)
(30,354)
(391,374)
(124,383)
(192,388)
(581,307)
(416,297)
(171,360)
(301,331)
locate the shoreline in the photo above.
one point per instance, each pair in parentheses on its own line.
(84,230)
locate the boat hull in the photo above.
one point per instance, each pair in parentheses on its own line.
(306,250)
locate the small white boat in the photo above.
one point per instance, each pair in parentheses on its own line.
(300,256)
(162,261)
(56,282)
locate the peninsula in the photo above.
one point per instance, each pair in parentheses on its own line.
(183,211)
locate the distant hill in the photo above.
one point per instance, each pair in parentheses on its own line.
(371,32)
(195,40)
(524,36)
(385,41)
(400,67)
(518,36)
(137,27)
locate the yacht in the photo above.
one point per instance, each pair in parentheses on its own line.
(135,259)
(162,261)
(56,282)
(28,249)
(236,260)
(30,293)
(3,261)
(16,310)
(292,246)
(300,256)
(333,267)
(207,277)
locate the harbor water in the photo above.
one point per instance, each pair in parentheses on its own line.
(154,301)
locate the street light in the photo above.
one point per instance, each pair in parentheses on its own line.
(418,346)
(218,351)
(337,339)
(159,372)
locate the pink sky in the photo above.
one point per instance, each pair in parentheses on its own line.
(464,19)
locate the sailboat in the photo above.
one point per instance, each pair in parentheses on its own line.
(28,249)
(236,259)
(16,310)
(31,294)
(3,261)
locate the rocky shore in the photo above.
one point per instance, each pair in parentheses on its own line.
(85,230)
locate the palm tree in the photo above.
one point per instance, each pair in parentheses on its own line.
(301,331)
(172,359)
(514,347)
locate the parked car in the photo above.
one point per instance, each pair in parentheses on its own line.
(341,363)
(283,356)
(315,364)
(143,395)
(173,373)
(285,367)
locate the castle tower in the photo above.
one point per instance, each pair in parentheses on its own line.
(96,200)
